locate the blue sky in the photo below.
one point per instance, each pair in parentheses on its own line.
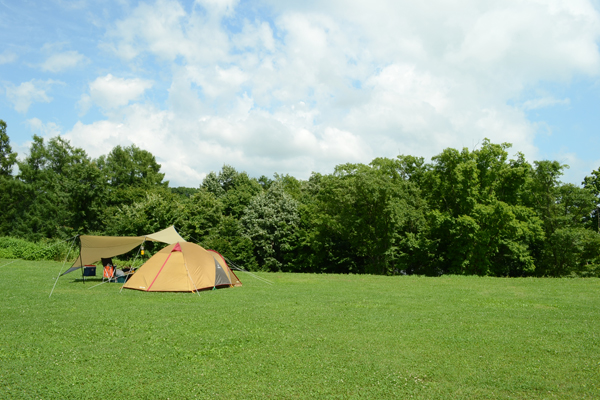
(301,86)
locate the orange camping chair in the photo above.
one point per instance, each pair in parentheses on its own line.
(109,274)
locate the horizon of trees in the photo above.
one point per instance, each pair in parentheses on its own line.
(469,212)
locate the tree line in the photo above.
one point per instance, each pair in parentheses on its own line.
(468,212)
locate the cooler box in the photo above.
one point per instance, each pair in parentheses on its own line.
(89,270)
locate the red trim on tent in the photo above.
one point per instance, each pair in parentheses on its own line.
(161,268)
(214,251)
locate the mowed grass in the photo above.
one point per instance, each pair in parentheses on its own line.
(306,336)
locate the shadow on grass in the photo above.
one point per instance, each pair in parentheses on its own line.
(90,280)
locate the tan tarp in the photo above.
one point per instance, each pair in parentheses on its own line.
(168,235)
(93,248)
(182,267)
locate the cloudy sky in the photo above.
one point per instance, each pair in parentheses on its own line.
(293,87)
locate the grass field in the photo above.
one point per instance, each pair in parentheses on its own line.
(306,336)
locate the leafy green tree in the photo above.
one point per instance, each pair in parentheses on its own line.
(307,255)
(7,157)
(202,221)
(228,239)
(270,221)
(12,199)
(184,192)
(234,189)
(156,211)
(478,223)
(131,167)
(571,251)
(453,182)
(573,205)
(62,190)
(541,191)
(130,174)
(569,248)
(289,184)
(592,183)
(412,168)
(265,182)
(197,219)
(11,192)
(366,217)
(564,210)
(201,214)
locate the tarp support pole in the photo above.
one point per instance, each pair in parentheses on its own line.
(68,254)
(82,266)
(132,263)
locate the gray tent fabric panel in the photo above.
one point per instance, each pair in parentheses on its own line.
(221,277)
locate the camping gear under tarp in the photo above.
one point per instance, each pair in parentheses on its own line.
(183,267)
(94,248)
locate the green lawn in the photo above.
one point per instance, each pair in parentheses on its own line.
(306,336)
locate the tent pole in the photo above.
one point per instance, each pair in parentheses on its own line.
(68,254)
(133,262)
(81,262)
(190,276)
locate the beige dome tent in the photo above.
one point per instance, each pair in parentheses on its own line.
(183,267)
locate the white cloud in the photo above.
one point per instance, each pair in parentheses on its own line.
(27,93)
(154,28)
(543,102)
(45,130)
(321,83)
(149,129)
(218,7)
(72,4)
(253,141)
(97,138)
(7,57)
(578,168)
(256,36)
(109,92)
(62,61)
(531,41)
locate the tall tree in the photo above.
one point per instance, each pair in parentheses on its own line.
(270,221)
(592,183)
(156,211)
(11,192)
(7,157)
(477,224)
(569,247)
(202,221)
(130,173)
(131,167)
(234,189)
(365,218)
(63,190)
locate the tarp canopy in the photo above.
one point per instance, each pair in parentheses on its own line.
(94,248)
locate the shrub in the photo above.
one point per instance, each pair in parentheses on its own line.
(46,249)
